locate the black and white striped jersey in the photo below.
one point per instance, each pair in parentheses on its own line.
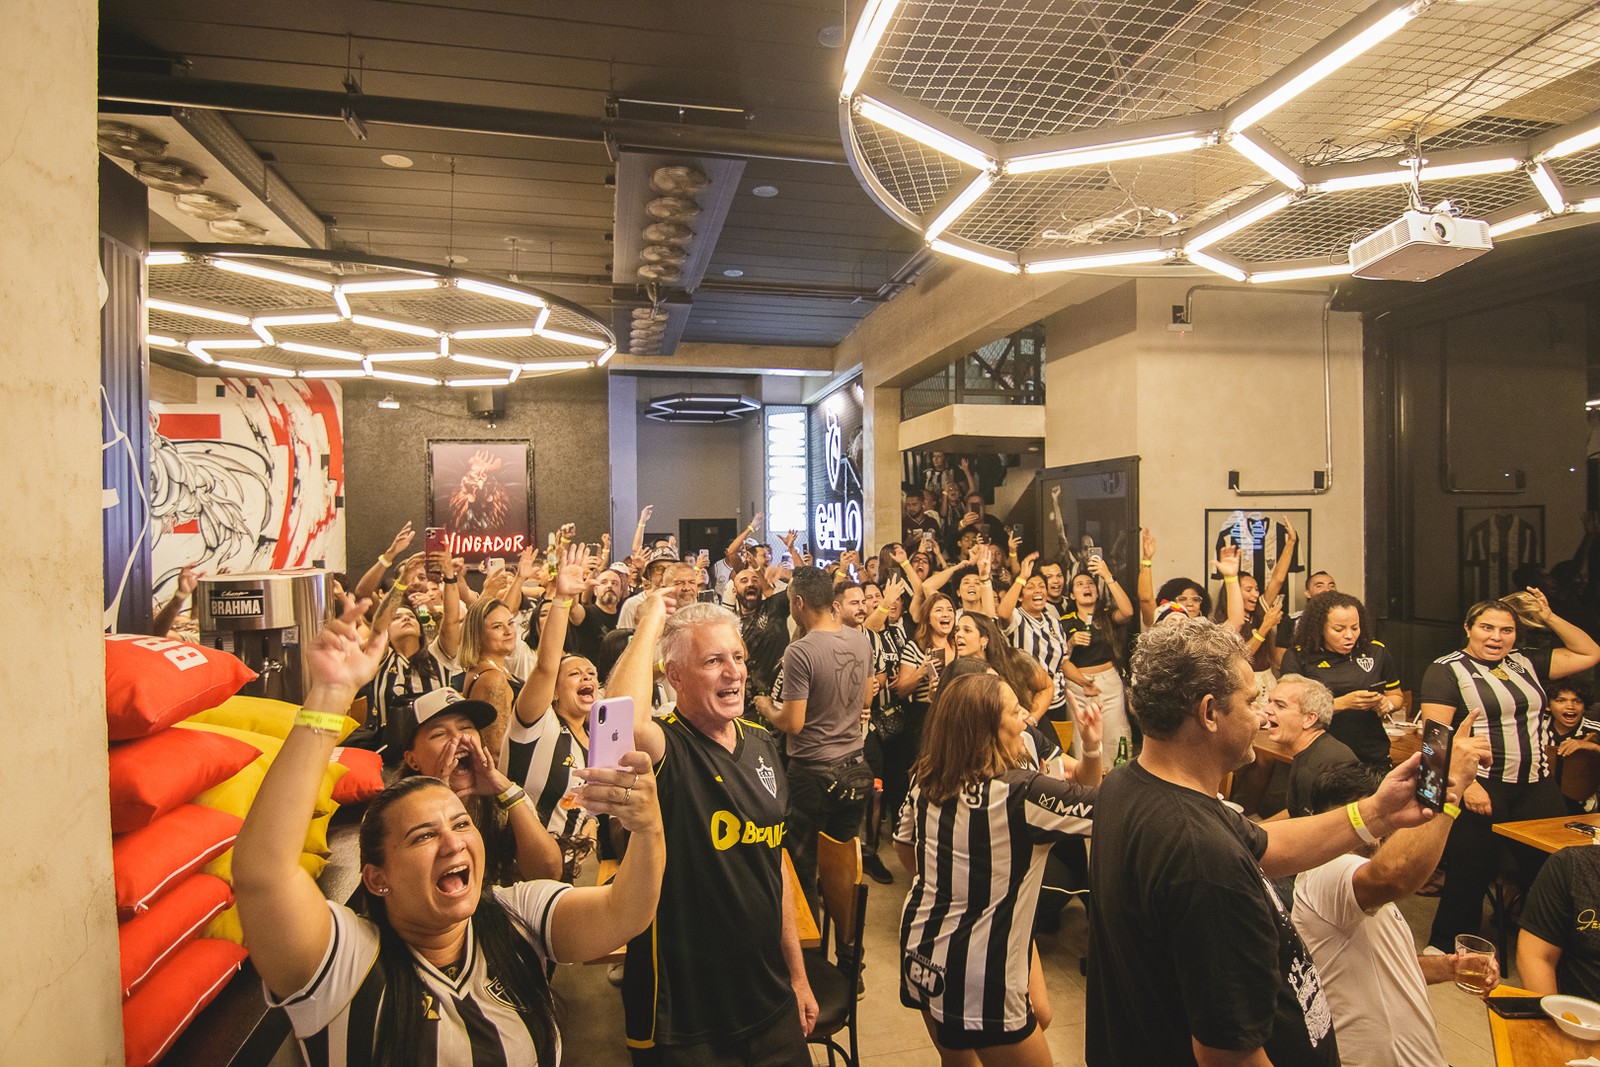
(542,758)
(1510,696)
(968,919)
(1044,640)
(468,1020)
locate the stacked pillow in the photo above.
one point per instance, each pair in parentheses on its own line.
(161,838)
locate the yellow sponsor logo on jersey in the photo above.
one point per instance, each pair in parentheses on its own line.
(727,830)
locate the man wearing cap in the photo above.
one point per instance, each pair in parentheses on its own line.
(445,742)
(655,577)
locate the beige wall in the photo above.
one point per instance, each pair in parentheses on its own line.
(1240,391)
(60,942)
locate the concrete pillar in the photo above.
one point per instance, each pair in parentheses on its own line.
(60,947)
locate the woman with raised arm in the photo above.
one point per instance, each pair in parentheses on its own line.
(1034,628)
(406,672)
(488,638)
(1507,682)
(432,965)
(547,745)
(975,833)
(1187,593)
(1263,610)
(1095,644)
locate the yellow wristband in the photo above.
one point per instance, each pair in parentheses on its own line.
(1147,563)
(1452,810)
(883,608)
(1234,578)
(567,603)
(331,721)
(386,561)
(401,586)
(1259,636)
(1358,824)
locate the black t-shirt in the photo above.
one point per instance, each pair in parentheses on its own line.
(1561,909)
(587,637)
(1096,652)
(1322,754)
(711,963)
(1372,668)
(766,636)
(1186,938)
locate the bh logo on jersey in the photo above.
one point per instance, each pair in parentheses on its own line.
(923,974)
(727,830)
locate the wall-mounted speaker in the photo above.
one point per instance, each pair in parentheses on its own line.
(487,403)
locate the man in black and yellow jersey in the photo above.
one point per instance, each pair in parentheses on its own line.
(718,978)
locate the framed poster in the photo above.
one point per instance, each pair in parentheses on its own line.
(481,494)
(1261,536)
(1493,542)
(1084,507)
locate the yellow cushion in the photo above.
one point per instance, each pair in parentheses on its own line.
(237,793)
(260,715)
(313,863)
(226,925)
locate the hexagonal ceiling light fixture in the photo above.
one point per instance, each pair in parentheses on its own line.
(295,312)
(1258,142)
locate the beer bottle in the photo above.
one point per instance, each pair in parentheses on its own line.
(1122,752)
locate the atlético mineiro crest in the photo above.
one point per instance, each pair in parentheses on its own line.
(1366,663)
(768,776)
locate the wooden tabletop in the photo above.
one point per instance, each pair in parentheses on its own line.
(1532,1042)
(1549,835)
(805,922)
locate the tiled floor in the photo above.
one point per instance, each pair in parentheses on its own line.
(892,1036)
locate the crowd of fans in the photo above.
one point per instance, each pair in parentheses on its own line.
(977,700)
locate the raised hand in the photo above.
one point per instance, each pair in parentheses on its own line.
(645,513)
(401,541)
(1014,542)
(1090,729)
(628,793)
(568,579)
(1147,543)
(755,523)
(1289,535)
(895,589)
(189,579)
(1096,566)
(526,564)
(1227,562)
(340,663)
(984,566)
(1273,615)
(1026,567)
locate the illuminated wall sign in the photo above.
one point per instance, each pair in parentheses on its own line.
(786,471)
(835,469)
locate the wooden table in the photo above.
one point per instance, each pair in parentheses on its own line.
(1532,1042)
(1549,835)
(805,923)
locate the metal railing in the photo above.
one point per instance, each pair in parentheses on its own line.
(1009,370)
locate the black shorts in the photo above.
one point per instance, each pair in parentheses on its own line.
(953,1037)
(780,1043)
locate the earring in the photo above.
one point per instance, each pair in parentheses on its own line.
(384,891)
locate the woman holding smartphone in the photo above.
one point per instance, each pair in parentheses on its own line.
(1508,687)
(426,927)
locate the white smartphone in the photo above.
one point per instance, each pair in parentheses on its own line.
(496,565)
(610,731)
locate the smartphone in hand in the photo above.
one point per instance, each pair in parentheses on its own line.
(610,731)
(1433,777)
(434,541)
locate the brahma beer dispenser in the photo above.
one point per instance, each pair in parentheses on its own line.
(263,618)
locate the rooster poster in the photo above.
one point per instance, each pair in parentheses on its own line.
(480,494)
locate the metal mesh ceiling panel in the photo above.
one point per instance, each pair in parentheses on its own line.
(1033,68)
(1034,85)
(1323,226)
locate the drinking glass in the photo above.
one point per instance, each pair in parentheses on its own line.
(1476,954)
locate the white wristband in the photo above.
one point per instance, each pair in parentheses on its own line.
(1096,752)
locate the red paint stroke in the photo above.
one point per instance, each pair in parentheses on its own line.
(192,526)
(323,406)
(178,427)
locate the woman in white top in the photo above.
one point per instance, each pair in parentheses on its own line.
(434,967)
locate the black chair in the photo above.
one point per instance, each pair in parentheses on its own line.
(835,983)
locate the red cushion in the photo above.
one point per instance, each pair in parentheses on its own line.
(150,938)
(154,859)
(153,682)
(165,1005)
(153,775)
(363,781)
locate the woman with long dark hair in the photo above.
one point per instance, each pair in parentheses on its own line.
(1507,683)
(434,967)
(1334,644)
(979,636)
(1093,628)
(975,832)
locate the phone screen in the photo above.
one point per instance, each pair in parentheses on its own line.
(610,731)
(1434,774)
(433,540)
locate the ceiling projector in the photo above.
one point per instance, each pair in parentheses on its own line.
(1419,245)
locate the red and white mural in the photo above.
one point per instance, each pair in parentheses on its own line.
(251,479)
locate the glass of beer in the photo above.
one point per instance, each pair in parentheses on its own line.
(1477,963)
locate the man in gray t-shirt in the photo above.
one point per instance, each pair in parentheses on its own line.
(825,675)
